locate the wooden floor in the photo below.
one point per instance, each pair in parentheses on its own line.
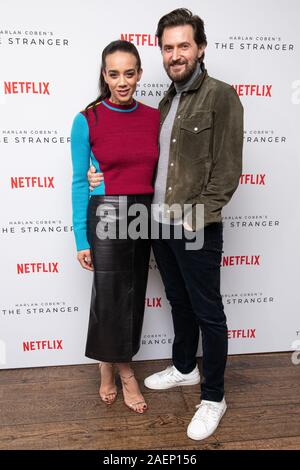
(59,408)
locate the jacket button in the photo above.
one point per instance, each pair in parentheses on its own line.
(174,140)
(172,164)
(170,188)
(195,128)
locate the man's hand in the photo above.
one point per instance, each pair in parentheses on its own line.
(84,258)
(94,178)
(187,227)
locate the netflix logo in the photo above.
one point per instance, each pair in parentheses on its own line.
(241,260)
(19,182)
(253,90)
(42,345)
(242,334)
(153,302)
(33,88)
(257,179)
(32,268)
(140,39)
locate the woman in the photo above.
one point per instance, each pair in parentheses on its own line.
(120,137)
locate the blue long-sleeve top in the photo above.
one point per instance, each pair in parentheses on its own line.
(82,158)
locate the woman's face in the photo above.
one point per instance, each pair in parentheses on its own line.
(121,75)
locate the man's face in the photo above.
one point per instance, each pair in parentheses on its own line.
(180,52)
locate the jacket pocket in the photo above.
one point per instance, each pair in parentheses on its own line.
(195,135)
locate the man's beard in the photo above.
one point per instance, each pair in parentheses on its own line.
(181,77)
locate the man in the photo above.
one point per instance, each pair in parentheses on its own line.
(200,163)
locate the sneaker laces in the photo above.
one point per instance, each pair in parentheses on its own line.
(207,411)
(171,374)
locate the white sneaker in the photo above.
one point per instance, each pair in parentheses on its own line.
(171,377)
(206,419)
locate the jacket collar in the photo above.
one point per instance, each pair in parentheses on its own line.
(194,86)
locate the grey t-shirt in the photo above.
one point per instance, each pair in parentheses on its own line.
(164,144)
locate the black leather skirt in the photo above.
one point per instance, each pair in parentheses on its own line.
(120,279)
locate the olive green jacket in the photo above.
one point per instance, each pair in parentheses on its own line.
(205,160)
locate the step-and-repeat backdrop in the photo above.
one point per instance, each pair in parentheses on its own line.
(50,57)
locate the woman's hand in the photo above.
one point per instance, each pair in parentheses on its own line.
(94,178)
(84,258)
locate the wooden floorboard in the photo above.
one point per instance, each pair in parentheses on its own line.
(59,408)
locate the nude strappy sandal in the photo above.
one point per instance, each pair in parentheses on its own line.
(132,404)
(108,398)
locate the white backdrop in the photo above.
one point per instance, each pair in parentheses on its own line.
(50,58)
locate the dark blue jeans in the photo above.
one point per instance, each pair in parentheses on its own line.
(192,284)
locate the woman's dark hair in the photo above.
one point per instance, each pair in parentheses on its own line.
(119,45)
(181,17)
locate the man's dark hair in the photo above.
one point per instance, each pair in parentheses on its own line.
(181,17)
